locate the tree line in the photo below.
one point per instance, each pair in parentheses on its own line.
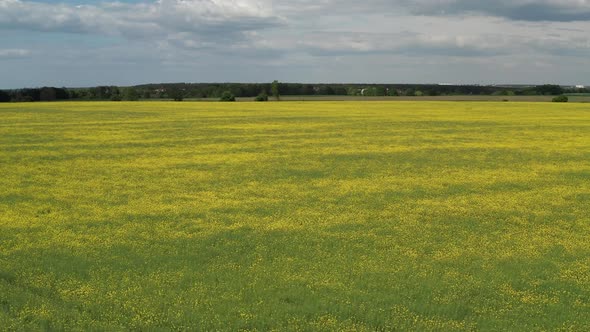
(181,91)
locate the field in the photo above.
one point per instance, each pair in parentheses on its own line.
(295,216)
(576,98)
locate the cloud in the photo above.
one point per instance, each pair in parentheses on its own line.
(139,20)
(571,47)
(307,40)
(524,10)
(404,43)
(14,53)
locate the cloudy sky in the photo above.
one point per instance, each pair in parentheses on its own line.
(85,42)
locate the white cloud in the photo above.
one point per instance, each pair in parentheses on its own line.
(13,53)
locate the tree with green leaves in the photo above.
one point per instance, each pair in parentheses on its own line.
(274,89)
(130,94)
(47,94)
(4,97)
(227,96)
(262,96)
(115,93)
(175,93)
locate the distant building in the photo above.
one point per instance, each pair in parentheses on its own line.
(580,86)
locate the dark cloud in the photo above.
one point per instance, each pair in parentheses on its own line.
(138,20)
(524,10)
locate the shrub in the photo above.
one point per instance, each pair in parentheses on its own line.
(560,99)
(262,97)
(227,96)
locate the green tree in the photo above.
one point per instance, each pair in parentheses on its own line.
(409,92)
(274,89)
(326,90)
(549,89)
(370,91)
(47,94)
(227,96)
(130,94)
(4,97)
(176,94)
(262,96)
(353,91)
(116,94)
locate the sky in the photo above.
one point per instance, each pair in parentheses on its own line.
(76,43)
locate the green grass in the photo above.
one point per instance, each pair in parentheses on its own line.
(295,216)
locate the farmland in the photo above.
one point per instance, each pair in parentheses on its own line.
(295,216)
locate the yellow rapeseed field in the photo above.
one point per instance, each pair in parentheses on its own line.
(295,216)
